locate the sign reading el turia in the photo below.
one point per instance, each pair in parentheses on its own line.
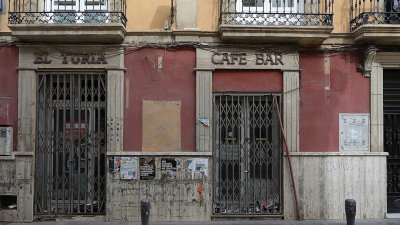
(76,58)
(228,58)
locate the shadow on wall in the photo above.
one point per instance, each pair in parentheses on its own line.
(161,14)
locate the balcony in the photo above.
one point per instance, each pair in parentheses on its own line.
(375,21)
(265,21)
(68,21)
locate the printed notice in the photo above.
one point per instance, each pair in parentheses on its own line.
(147,168)
(168,169)
(128,168)
(197,165)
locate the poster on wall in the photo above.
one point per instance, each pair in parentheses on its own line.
(117,163)
(147,168)
(197,165)
(128,168)
(168,169)
(114,164)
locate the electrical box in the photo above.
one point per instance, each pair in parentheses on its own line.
(354,132)
(6,140)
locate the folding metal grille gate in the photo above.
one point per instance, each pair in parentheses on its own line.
(391,109)
(247,155)
(71,144)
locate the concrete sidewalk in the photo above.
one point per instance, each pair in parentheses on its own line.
(241,222)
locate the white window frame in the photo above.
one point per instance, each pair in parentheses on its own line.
(268,7)
(79,7)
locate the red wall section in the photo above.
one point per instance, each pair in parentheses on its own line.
(320,108)
(9,88)
(177,81)
(247,81)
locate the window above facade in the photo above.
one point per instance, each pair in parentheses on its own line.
(276,12)
(375,21)
(269,20)
(374,12)
(67,11)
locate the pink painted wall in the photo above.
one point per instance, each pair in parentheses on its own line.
(9,89)
(247,81)
(320,108)
(176,82)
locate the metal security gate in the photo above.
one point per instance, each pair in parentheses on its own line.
(247,155)
(391,109)
(71,144)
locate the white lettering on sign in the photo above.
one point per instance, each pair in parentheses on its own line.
(76,58)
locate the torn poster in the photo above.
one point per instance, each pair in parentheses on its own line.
(197,165)
(113,164)
(205,122)
(117,163)
(129,168)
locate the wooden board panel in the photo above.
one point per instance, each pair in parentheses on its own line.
(161,126)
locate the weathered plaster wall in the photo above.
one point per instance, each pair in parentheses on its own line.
(330,85)
(207,16)
(176,81)
(147,15)
(177,200)
(7,187)
(324,180)
(247,81)
(15,175)
(9,88)
(17,180)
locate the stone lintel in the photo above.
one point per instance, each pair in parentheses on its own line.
(69,33)
(304,35)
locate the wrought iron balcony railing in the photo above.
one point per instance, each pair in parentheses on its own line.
(276,12)
(66,11)
(374,12)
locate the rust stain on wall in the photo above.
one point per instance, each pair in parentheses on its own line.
(161,126)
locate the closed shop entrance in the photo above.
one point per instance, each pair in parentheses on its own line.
(247,155)
(71,143)
(391,110)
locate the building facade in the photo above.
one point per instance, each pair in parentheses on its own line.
(198,106)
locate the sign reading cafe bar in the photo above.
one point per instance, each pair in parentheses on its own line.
(229,58)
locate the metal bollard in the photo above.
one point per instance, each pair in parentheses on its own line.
(145,210)
(350,208)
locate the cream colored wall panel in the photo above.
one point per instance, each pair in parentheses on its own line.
(324,181)
(291,109)
(115,110)
(204,110)
(26,110)
(186,14)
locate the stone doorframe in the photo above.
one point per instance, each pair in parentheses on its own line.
(29,65)
(374,64)
(289,65)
